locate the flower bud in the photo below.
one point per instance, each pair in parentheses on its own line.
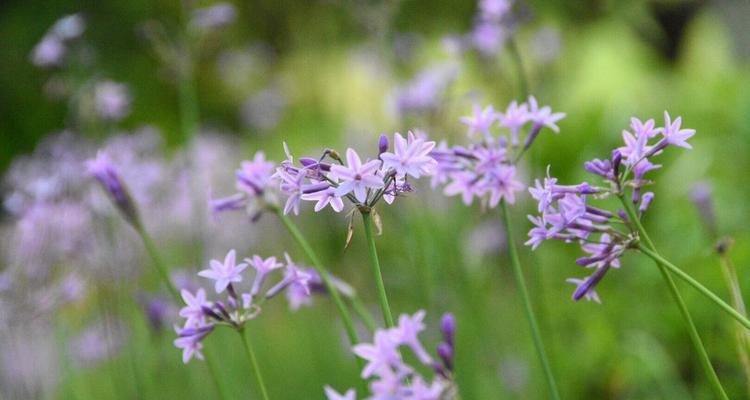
(382,144)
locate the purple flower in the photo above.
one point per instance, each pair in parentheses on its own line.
(544,116)
(380,355)
(481,120)
(488,37)
(291,185)
(253,176)
(407,330)
(191,347)
(411,156)
(464,183)
(216,16)
(325,197)
(104,171)
(193,310)
(357,177)
(331,394)
(583,289)
(514,118)
(262,268)
(112,100)
(675,136)
(224,273)
(293,276)
(502,184)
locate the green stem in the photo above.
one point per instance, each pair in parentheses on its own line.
(697,285)
(300,239)
(253,361)
(741,335)
(523,82)
(160,266)
(375,263)
(665,268)
(528,309)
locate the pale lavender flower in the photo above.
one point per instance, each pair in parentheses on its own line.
(216,16)
(325,197)
(410,157)
(193,310)
(224,273)
(50,51)
(292,184)
(293,276)
(494,9)
(262,268)
(672,133)
(112,100)
(357,177)
(425,91)
(391,377)
(332,394)
(191,347)
(488,37)
(481,120)
(514,117)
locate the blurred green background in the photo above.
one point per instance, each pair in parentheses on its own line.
(336,64)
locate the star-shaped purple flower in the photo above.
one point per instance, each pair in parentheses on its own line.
(224,273)
(410,157)
(357,177)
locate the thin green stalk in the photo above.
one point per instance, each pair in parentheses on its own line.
(523,82)
(375,263)
(742,336)
(694,283)
(343,311)
(254,362)
(160,266)
(528,309)
(665,268)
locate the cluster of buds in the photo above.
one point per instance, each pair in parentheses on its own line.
(486,169)
(566,215)
(203,316)
(391,377)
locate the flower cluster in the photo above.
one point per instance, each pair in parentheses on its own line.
(239,306)
(326,183)
(567,215)
(486,169)
(391,377)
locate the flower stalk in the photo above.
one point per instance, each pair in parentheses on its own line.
(251,356)
(666,268)
(375,263)
(528,308)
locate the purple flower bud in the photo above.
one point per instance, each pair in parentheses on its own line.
(156,312)
(314,188)
(382,144)
(587,285)
(209,312)
(307,161)
(448,328)
(532,135)
(616,161)
(646,200)
(104,171)
(445,351)
(223,309)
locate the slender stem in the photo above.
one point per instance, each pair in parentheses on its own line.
(253,361)
(528,309)
(742,336)
(160,266)
(664,268)
(300,239)
(375,263)
(697,285)
(523,82)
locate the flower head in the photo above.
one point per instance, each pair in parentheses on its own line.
(357,177)
(224,273)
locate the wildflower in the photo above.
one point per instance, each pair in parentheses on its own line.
(224,273)
(104,171)
(481,120)
(486,170)
(216,16)
(391,377)
(565,212)
(112,100)
(357,177)
(411,156)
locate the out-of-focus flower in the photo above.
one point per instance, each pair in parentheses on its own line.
(105,172)
(391,377)
(263,110)
(224,273)
(52,48)
(112,100)
(213,17)
(424,93)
